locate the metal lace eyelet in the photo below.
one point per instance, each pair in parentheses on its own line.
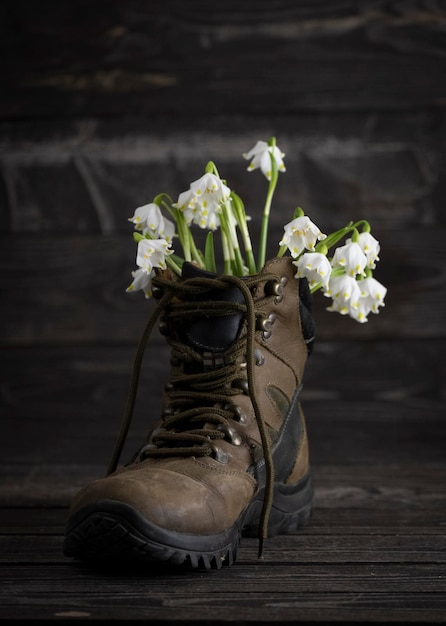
(241,383)
(283,281)
(231,434)
(142,453)
(259,358)
(235,438)
(238,414)
(275,288)
(220,455)
(265,324)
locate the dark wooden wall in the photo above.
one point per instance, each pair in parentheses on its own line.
(104,104)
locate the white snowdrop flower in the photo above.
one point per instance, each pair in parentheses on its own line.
(202,203)
(370,247)
(372,293)
(152,253)
(167,231)
(360,311)
(142,281)
(351,258)
(187,204)
(260,157)
(339,306)
(343,289)
(149,219)
(300,234)
(315,267)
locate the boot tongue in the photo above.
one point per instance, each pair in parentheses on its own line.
(212,335)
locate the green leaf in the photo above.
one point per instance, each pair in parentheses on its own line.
(209,253)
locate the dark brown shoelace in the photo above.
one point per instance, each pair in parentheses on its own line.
(199,399)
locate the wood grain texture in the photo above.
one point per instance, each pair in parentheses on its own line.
(68,59)
(374,552)
(88,176)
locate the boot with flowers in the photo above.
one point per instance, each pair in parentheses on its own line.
(229,454)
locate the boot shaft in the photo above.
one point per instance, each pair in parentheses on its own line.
(212,386)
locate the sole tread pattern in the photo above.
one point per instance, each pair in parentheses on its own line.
(103,537)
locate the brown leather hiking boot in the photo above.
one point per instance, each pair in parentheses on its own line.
(229,454)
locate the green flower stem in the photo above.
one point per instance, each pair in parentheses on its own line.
(228,228)
(282,251)
(238,262)
(365,226)
(209,253)
(229,235)
(333,238)
(195,252)
(251,262)
(351,227)
(163,199)
(211,168)
(183,235)
(355,235)
(239,212)
(226,254)
(173,265)
(266,210)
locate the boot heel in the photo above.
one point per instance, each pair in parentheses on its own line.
(292,509)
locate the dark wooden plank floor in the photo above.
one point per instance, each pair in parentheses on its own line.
(102,106)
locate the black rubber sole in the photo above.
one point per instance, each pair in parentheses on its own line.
(111,531)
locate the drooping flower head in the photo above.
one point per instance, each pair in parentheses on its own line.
(370,247)
(373,293)
(315,267)
(359,312)
(202,203)
(300,234)
(371,298)
(149,219)
(142,281)
(152,253)
(351,258)
(345,292)
(260,157)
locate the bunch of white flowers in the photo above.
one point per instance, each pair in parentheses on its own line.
(346,275)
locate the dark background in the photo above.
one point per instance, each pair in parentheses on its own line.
(105,104)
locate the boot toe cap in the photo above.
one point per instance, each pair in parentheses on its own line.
(170,500)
